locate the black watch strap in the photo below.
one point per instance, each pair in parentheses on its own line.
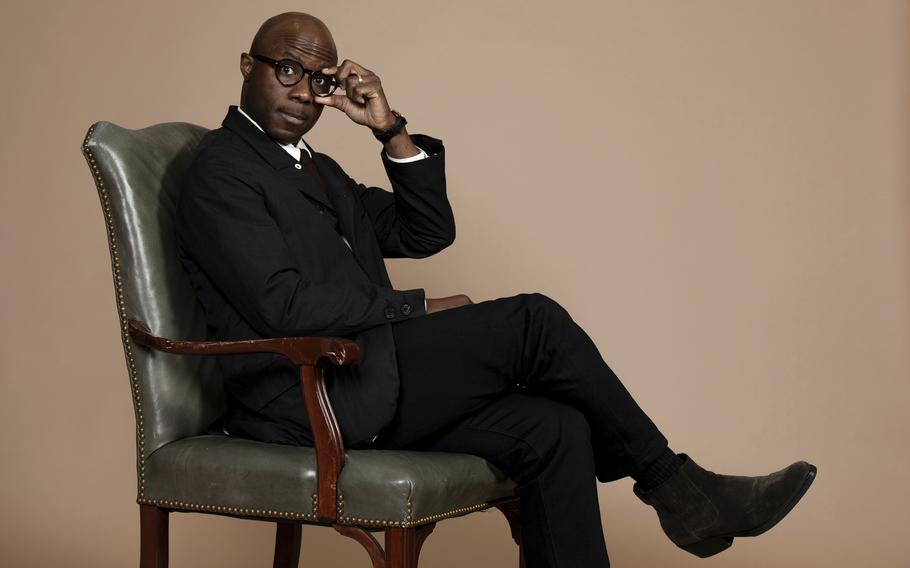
(400,121)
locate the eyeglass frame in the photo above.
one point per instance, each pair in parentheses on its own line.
(276,63)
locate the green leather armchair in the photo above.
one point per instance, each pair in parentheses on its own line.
(177,394)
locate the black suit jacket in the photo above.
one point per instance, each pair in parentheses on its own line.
(257,235)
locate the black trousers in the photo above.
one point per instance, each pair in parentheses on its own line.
(519,383)
(516,381)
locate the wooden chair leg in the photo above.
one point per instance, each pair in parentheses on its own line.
(512,512)
(287,545)
(368,541)
(152,537)
(401,547)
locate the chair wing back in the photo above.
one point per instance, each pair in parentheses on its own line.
(138,175)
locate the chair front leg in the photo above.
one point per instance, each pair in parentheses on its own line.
(401,547)
(287,545)
(152,537)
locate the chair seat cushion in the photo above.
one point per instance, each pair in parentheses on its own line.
(378,488)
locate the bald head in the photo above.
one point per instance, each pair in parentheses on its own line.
(285,112)
(290,25)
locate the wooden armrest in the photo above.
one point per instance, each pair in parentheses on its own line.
(300,350)
(310,354)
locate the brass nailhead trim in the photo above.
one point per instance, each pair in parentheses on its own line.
(408,522)
(121,308)
(268,513)
(167,504)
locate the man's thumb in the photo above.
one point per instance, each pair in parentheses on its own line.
(337,101)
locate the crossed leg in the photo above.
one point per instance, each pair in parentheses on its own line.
(518,382)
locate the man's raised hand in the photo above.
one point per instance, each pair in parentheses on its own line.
(363,100)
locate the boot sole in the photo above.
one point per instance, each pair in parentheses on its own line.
(711,546)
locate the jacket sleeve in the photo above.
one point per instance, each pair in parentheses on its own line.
(224,225)
(416,219)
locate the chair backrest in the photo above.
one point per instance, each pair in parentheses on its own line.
(138,175)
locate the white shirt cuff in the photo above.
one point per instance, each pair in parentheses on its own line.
(413,158)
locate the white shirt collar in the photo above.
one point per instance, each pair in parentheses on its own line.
(292,149)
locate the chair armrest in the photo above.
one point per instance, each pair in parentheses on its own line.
(310,354)
(300,350)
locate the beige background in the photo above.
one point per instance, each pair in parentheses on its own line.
(716,190)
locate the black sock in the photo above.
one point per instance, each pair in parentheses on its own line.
(658,471)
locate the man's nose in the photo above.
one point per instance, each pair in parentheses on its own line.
(302,91)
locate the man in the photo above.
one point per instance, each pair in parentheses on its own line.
(279,241)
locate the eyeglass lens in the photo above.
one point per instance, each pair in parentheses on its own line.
(290,73)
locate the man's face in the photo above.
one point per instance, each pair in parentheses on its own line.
(286,113)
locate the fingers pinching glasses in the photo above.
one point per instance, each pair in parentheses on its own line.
(349,74)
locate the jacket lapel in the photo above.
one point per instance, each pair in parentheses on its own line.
(305,183)
(285,164)
(343,199)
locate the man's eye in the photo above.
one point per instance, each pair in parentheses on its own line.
(287,70)
(319,80)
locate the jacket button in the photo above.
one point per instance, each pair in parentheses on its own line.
(298,166)
(405,309)
(389,313)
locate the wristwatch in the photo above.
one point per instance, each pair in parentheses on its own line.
(396,127)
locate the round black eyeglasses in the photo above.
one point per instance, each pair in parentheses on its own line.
(289,73)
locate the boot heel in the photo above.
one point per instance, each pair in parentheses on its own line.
(709,546)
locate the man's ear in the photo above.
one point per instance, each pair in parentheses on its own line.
(246,66)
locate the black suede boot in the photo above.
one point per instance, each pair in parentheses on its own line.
(702,511)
